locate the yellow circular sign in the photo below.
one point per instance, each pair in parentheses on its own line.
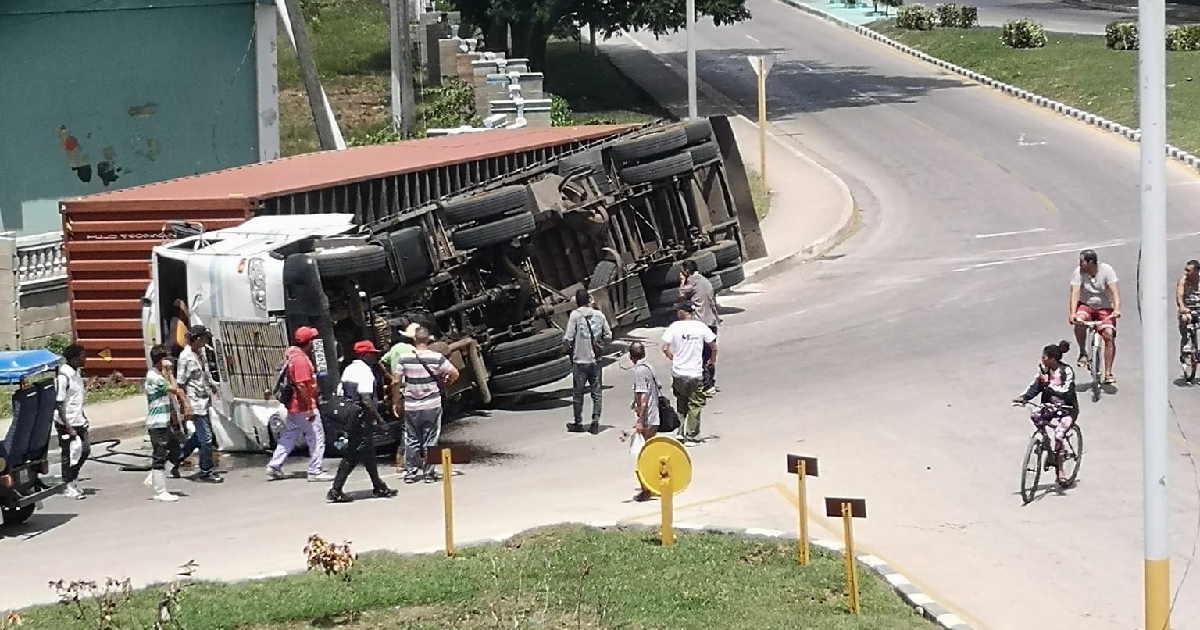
(661,457)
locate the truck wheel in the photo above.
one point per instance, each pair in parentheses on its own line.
(590,159)
(727,252)
(354,260)
(698,131)
(667,274)
(532,376)
(13,516)
(540,344)
(704,153)
(716,282)
(603,274)
(732,276)
(495,232)
(670,166)
(485,205)
(651,145)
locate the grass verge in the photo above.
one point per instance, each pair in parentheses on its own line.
(1074,69)
(759,193)
(555,578)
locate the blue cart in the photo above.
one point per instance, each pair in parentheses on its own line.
(24,453)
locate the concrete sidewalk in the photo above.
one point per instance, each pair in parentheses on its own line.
(110,420)
(812,209)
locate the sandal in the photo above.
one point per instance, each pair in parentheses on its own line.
(1083,361)
(1110,380)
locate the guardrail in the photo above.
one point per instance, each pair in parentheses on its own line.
(40,264)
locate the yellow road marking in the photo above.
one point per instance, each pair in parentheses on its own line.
(717,499)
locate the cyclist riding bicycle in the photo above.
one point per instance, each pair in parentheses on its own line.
(1056,384)
(1187,298)
(1095,297)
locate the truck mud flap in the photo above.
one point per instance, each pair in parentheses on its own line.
(739,188)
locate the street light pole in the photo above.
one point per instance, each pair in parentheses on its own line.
(1153,121)
(691,59)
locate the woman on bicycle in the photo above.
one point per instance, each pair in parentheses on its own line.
(1056,383)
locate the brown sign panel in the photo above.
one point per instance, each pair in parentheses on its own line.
(458,455)
(810,465)
(833,507)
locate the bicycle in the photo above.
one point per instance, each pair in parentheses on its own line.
(1191,353)
(1040,455)
(1093,351)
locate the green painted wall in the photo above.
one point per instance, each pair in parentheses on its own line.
(97,95)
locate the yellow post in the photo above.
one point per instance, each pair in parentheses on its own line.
(448,502)
(762,120)
(802,471)
(851,577)
(667,499)
(1158,594)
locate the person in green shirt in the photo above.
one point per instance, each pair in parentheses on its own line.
(402,348)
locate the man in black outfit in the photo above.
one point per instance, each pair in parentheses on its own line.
(360,386)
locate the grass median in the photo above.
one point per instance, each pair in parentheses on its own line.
(1073,69)
(553,578)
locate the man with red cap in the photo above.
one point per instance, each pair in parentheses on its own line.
(360,386)
(303,418)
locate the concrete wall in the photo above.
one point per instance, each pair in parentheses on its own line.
(117,93)
(43,314)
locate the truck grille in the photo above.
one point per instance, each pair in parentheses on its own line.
(252,351)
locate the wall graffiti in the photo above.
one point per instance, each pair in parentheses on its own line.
(106,169)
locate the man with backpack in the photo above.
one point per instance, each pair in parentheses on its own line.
(586,335)
(651,412)
(295,387)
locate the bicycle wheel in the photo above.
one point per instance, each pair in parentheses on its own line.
(1035,459)
(1096,366)
(1072,455)
(1189,367)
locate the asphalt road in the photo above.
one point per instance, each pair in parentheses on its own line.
(893,362)
(1054,16)
(897,359)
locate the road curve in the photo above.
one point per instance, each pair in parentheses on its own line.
(896,360)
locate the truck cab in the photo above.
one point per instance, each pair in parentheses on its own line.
(24,452)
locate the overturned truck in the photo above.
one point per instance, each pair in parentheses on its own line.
(491,269)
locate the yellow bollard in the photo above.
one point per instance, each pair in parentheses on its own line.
(851,573)
(668,501)
(447,499)
(803,509)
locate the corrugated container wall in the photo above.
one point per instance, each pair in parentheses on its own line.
(108,237)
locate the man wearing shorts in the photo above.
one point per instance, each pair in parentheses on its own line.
(1095,297)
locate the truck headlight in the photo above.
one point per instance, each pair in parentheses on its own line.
(258,283)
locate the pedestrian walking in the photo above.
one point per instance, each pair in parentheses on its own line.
(585,337)
(697,290)
(645,403)
(159,416)
(303,417)
(420,380)
(361,386)
(70,421)
(196,382)
(684,343)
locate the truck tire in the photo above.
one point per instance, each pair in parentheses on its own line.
(540,344)
(667,274)
(13,516)
(727,252)
(651,145)
(495,232)
(717,284)
(485,205)
(340,262)
(698,131)
(705,152)
(670,166)
(663,298)
(603,274)
(532,376)
(590,159)
(732,276)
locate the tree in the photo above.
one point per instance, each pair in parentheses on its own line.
(534,21)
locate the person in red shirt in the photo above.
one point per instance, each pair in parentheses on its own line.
(303,418)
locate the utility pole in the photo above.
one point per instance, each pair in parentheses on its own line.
(404,107)
(1152,114)
(691,60)
(308,73)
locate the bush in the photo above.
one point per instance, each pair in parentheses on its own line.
(956,15)
(1184,38)
(915,17)
(560,111)
(1120,35)
(1023,34)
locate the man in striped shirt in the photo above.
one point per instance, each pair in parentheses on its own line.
(419,381)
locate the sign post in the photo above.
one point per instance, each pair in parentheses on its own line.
(802,467)
(446,456)
(762,66)
(665,468)
(848,510)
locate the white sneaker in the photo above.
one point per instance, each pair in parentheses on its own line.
(72,492)
(321,477)
(165,497)
(149,480)
(274,474)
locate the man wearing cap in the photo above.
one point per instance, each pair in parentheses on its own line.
(303,417)
(684,343)
(420,379)
(193,378)
(360,386)
(402,348)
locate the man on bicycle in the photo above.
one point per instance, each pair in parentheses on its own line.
(1095,297)
(1187,299)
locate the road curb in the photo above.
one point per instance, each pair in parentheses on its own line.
(117,431)
(921,603)
(1173,152)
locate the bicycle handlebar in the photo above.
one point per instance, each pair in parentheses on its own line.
(1026,403)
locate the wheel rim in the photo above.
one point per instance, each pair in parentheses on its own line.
(1032,470)
(1072,454)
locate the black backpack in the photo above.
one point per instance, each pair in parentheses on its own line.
(283,390)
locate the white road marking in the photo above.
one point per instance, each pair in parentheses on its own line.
(1021,142)
(1062,250)
(753,39)
(1014,233)
(1194,182)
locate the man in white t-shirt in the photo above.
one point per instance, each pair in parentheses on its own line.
(70,422)
(684,343)
(360,386)
(1095,296)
